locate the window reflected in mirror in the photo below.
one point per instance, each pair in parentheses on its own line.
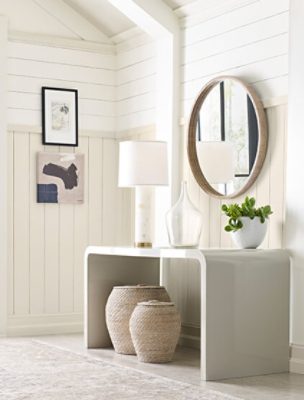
(227,136)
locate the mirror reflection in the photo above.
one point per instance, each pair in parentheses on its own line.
(227,136)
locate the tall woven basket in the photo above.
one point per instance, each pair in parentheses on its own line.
(155,329)
(119,308)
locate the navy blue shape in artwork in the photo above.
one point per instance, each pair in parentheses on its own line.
(47,193)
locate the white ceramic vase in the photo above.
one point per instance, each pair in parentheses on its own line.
(252,234)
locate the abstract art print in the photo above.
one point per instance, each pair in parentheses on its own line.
(60,178)
(60,116)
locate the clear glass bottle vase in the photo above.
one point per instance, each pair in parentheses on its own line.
(184,222)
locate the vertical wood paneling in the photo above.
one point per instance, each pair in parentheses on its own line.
(66,252)
(110,196)
(215,223)
(277,176)
(268,189)
(81,229)
(47,241)
(125,218)
(51,253)
(21,217)
(95,191)
(10,274)
(263,183)
(204,204)
(37,231)
(225,237)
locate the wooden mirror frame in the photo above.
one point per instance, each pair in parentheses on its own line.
(262,138)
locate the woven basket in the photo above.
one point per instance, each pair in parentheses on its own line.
(155,329)
(119,308)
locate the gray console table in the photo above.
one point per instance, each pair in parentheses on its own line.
(244,303)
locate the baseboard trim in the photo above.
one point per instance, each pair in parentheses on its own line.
(49,324)
(52,324)
(296,362)
(190,336)
(189,341)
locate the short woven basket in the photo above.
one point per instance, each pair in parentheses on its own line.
(119,308)
(155,329)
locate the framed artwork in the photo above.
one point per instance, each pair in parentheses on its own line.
(59,116)
(60,178)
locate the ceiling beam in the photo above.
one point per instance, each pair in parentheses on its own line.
(72,20)
(153,17)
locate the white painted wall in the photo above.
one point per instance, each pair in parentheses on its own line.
(47,242)
(295,174)
(31,66)
(135,80)
(157,20)
(3,175)
(249,40)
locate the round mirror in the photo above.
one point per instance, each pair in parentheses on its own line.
(227,138)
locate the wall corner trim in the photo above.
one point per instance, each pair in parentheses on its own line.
(296,363)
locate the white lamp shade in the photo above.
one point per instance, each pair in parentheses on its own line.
(216,160)
(143,163)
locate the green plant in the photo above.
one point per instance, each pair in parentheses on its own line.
(246,209)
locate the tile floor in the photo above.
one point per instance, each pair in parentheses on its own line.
(185,368)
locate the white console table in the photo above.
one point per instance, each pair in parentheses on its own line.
(244,303)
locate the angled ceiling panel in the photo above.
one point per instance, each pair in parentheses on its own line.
(103,15)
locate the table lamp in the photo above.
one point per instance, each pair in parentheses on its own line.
(143,164)
(216,160)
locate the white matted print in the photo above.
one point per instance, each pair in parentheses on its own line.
(60,116)
(60,178)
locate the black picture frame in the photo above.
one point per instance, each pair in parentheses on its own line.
(59,116)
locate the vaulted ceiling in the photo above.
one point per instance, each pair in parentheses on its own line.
(102,14)
(91,20)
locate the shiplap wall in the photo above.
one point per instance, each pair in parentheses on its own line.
(250,42)
(47,241)
(268,189)
(135,78)
(184,283)
(32,66)
(45,282)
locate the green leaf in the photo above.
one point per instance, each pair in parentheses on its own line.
(252,201)
(239,224)
(246,209)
